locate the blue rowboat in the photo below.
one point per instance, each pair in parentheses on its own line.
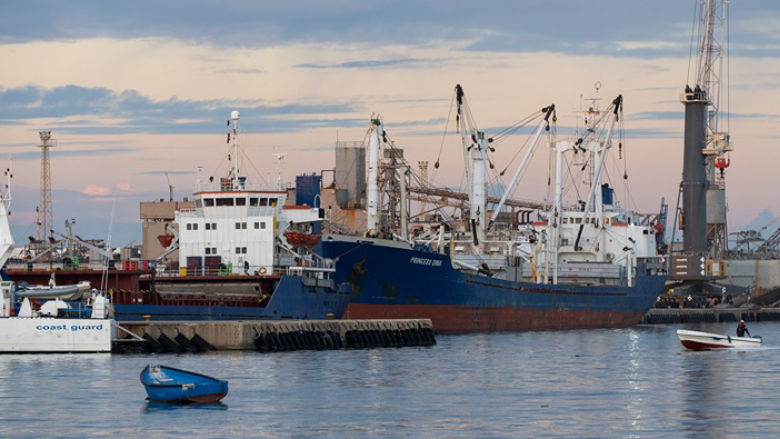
(168,384)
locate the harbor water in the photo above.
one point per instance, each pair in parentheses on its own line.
(637,382)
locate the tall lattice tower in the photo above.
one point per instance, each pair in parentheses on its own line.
(45,207)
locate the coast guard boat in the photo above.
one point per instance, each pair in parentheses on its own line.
(69,318)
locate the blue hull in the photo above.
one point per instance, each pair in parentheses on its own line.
(167,384)
(291,300)
(391,282)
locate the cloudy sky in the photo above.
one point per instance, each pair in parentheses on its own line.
(132,90)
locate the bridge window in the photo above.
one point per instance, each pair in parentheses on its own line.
(224,201)
(241,201)
(253,201)
(208,202)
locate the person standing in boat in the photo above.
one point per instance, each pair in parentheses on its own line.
(742,329)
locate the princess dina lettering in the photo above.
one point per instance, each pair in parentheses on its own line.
(426,261)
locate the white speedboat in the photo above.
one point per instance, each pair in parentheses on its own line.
(700,341)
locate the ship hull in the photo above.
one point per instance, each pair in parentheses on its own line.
(208,298)
(457,319)
(389,281)
(291,299)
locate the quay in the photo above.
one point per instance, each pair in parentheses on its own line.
(710,315)
(269,336)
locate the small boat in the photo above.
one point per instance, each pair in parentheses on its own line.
(52,291)
(300,239)
(700,341)
(167,384)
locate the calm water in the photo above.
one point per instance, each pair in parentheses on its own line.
(636,382)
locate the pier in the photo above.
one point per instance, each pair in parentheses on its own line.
(710,315)
(272,336)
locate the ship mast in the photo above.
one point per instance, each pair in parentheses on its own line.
(599,154)
(375,132)
(475,147)
(233,139)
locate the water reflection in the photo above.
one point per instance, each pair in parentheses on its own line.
(704,402)
(155,406)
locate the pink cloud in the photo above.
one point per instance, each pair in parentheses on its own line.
(124,187)
(93,189)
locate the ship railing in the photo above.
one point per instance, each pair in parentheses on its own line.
(251,211)
(237,186)
(219,272)
(291,267)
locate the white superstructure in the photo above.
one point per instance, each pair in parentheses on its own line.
(238,227)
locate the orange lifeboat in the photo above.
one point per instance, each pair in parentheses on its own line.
(165,240)
(300,239)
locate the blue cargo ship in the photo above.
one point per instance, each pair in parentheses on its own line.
(388,280)
(583,263)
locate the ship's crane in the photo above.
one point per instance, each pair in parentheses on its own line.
(710,82)
(707,143)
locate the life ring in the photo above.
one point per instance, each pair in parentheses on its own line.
(262,270)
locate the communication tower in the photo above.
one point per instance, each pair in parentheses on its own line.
(45,206)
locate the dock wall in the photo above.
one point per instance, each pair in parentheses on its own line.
(292,335)
(713,315)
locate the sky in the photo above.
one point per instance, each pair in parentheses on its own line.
(134,90)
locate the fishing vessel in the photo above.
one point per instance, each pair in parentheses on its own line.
(246,254)
(587,263)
